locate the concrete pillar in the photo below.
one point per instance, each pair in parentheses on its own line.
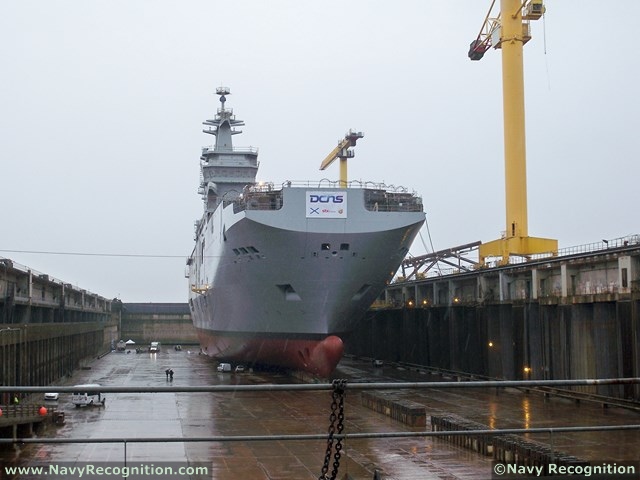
(451,291)
(30,287)
(503,286)
(625,274)
(564,280)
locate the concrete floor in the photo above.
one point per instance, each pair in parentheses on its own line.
(187,415)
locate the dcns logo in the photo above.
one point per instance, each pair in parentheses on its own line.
(326,198)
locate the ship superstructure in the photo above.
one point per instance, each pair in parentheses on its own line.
(279,273)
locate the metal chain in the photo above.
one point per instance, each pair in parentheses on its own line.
(337,403)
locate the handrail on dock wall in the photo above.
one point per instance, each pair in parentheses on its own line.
(329,386)
(620,242)
(7,264)
(323,436)
(470,256)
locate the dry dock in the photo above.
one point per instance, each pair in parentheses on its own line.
(184,416)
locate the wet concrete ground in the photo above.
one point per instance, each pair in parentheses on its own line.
(185,415)
(515,408)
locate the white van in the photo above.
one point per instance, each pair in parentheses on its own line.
(224,367)
(87,394)
(154,347)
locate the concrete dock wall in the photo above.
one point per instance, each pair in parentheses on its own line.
(168,323)
(28,296)
(47,326)
(40,354)
(510,341)
(570,316)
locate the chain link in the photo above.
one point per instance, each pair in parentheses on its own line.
(337,403)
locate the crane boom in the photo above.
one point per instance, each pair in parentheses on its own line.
(342,151)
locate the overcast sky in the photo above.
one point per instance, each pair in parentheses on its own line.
(101,104)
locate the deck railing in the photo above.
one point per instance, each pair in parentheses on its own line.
(378,196)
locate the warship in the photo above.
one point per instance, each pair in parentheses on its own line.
(279,274)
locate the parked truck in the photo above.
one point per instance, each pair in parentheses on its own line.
(224,367)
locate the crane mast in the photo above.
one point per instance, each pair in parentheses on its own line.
(343,151)
(509,32)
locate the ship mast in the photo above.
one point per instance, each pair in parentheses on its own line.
(225,170)
(223,123)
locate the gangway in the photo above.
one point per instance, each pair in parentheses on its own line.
(453,257)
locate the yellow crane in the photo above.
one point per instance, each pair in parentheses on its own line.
(343,151)
(509,32)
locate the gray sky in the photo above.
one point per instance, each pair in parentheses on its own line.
(101,104)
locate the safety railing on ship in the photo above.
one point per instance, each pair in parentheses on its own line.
(378,198)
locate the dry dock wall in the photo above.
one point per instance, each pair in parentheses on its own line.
(41,354)
(28,296)
(565,317)
(512,342)
(167,323)
(47,326)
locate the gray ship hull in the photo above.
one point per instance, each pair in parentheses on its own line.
(269,278)
(278,274)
